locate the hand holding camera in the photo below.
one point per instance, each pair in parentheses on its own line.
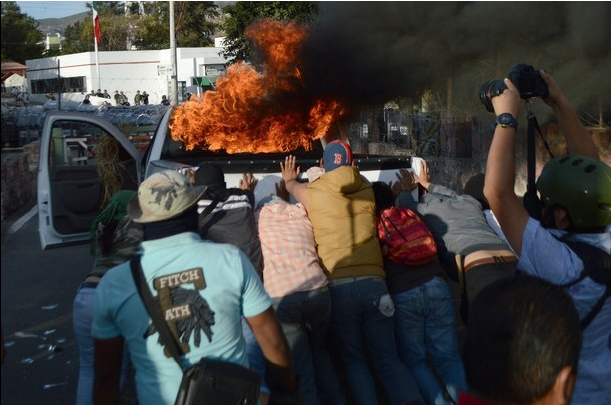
(526,79)
(507,102)
(556,96)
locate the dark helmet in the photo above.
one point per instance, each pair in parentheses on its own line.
(581,185)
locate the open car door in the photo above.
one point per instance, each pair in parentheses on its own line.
(83,161)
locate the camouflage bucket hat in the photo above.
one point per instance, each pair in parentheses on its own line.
(162,196)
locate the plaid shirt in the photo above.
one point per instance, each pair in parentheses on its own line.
(289,252)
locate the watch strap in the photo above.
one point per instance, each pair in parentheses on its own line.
(507,121)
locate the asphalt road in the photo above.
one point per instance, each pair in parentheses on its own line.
(38,288)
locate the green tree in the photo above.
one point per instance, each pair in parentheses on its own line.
(73,41)
(195,24)
(153,30)
(116,28)
(21,38)
(239,15)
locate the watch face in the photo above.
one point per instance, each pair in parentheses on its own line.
(507,120)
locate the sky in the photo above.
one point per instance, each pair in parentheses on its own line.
(39,10)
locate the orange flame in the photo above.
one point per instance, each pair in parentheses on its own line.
(258,112)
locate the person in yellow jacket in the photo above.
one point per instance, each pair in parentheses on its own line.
(341,206)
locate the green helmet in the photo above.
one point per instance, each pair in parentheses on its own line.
(581,185)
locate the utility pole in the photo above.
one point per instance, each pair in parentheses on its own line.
(174,84)
(59,88)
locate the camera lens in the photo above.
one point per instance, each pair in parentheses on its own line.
(489,90)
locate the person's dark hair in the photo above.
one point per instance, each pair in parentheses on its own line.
(475,188)
(522,332)
(384,197)
(212,176)
(106,237)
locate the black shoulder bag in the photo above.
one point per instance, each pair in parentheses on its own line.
(209,381)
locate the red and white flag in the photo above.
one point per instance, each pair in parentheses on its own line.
(97,31)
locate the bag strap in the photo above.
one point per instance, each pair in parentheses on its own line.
(203,226)
(596,265)
(596,262)
(209,208)
(382,217)
(596,309)
(393,225)
(154,311)
(531,201)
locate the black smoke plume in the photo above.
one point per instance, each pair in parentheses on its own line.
(366,53)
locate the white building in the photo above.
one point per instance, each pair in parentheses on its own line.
(14,82)
(127,71)
(53,42)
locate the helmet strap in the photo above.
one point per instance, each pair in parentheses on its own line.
(548,220)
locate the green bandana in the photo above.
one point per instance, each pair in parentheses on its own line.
(115,210)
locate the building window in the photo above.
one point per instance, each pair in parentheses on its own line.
(62,84)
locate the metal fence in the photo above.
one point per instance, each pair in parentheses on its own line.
(21,125)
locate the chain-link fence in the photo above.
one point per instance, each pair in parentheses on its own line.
(21,125)
(417,131)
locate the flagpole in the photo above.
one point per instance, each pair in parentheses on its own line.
(97,61)
(174,83)
(97,34)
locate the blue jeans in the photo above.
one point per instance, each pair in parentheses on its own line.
(425,324)
(305,318)
(363,330)
(82,318)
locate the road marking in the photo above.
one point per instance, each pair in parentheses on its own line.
(21,221)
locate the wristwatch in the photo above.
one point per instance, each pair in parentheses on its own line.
(506,120)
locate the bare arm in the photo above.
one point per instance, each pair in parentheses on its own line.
(501,169)
(281,191)
(578,140)
(290,172)
(107,367)
(272,341)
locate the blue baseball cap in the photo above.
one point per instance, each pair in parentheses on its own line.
(337,153)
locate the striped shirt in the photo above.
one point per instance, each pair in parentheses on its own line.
(289,252)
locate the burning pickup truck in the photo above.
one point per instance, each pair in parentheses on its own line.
(84,159)
(247,124)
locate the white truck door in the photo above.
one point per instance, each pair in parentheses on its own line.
(83,160)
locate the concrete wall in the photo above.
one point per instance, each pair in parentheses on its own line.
(18,179)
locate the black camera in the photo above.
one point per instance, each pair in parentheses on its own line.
(527,80)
